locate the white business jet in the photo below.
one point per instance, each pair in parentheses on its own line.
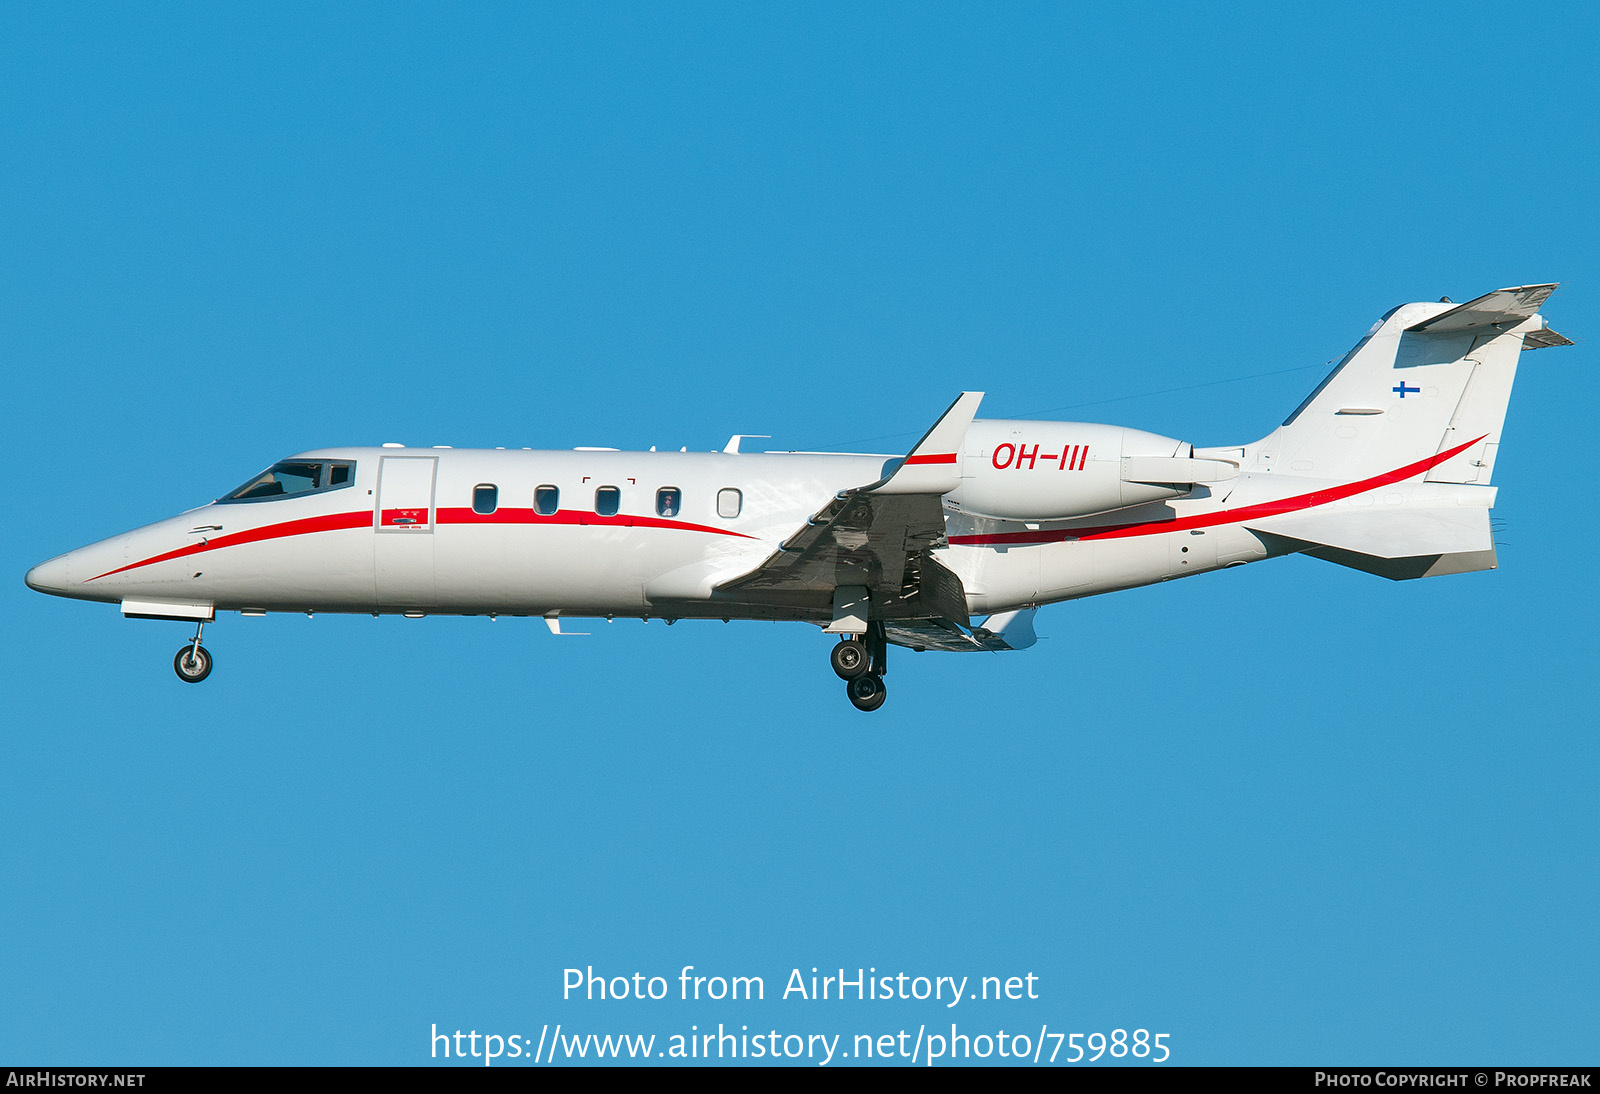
(1385,468)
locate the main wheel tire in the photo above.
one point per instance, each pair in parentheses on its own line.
(849,659)
(867,693)
(192,664)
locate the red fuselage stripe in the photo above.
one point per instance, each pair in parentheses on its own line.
(947,457)
(304,526)
(579,517)
(363,519)
(1226,516)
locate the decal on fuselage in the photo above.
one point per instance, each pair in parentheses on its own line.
(1006,454)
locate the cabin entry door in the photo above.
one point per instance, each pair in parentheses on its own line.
(403,532)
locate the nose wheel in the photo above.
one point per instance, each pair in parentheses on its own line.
(192,662)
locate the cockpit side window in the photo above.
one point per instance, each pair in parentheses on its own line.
(289,478)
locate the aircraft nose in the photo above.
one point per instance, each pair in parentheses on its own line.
(50,577)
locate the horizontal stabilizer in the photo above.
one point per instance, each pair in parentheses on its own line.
(1388,533)
(1503,306)
(1543,339)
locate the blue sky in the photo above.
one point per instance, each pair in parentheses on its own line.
(1287,814)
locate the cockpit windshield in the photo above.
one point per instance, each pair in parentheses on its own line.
(293,477)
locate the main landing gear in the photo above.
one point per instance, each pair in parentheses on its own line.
(867,693)
(193,661)
(861,662)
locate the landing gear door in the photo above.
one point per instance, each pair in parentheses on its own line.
(405,494)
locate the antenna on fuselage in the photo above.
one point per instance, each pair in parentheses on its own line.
(553,621)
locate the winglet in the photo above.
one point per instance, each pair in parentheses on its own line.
(934,465)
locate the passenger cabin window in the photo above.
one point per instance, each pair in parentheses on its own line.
(669,500)
(546,500)
(607,500)
(485,498)
(729,502)
(292,477)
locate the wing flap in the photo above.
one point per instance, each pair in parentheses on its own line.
(931,634)
(998,633)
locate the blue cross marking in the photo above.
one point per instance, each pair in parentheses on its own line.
(1402,389)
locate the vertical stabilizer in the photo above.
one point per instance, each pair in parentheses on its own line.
(1427,378)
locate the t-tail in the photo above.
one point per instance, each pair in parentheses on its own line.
(1405,432)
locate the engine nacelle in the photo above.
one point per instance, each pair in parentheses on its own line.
(1035,470)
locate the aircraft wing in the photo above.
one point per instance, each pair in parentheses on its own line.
(879,536)
(880,541)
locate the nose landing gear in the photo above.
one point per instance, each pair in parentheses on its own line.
(193,661)
(861,663)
